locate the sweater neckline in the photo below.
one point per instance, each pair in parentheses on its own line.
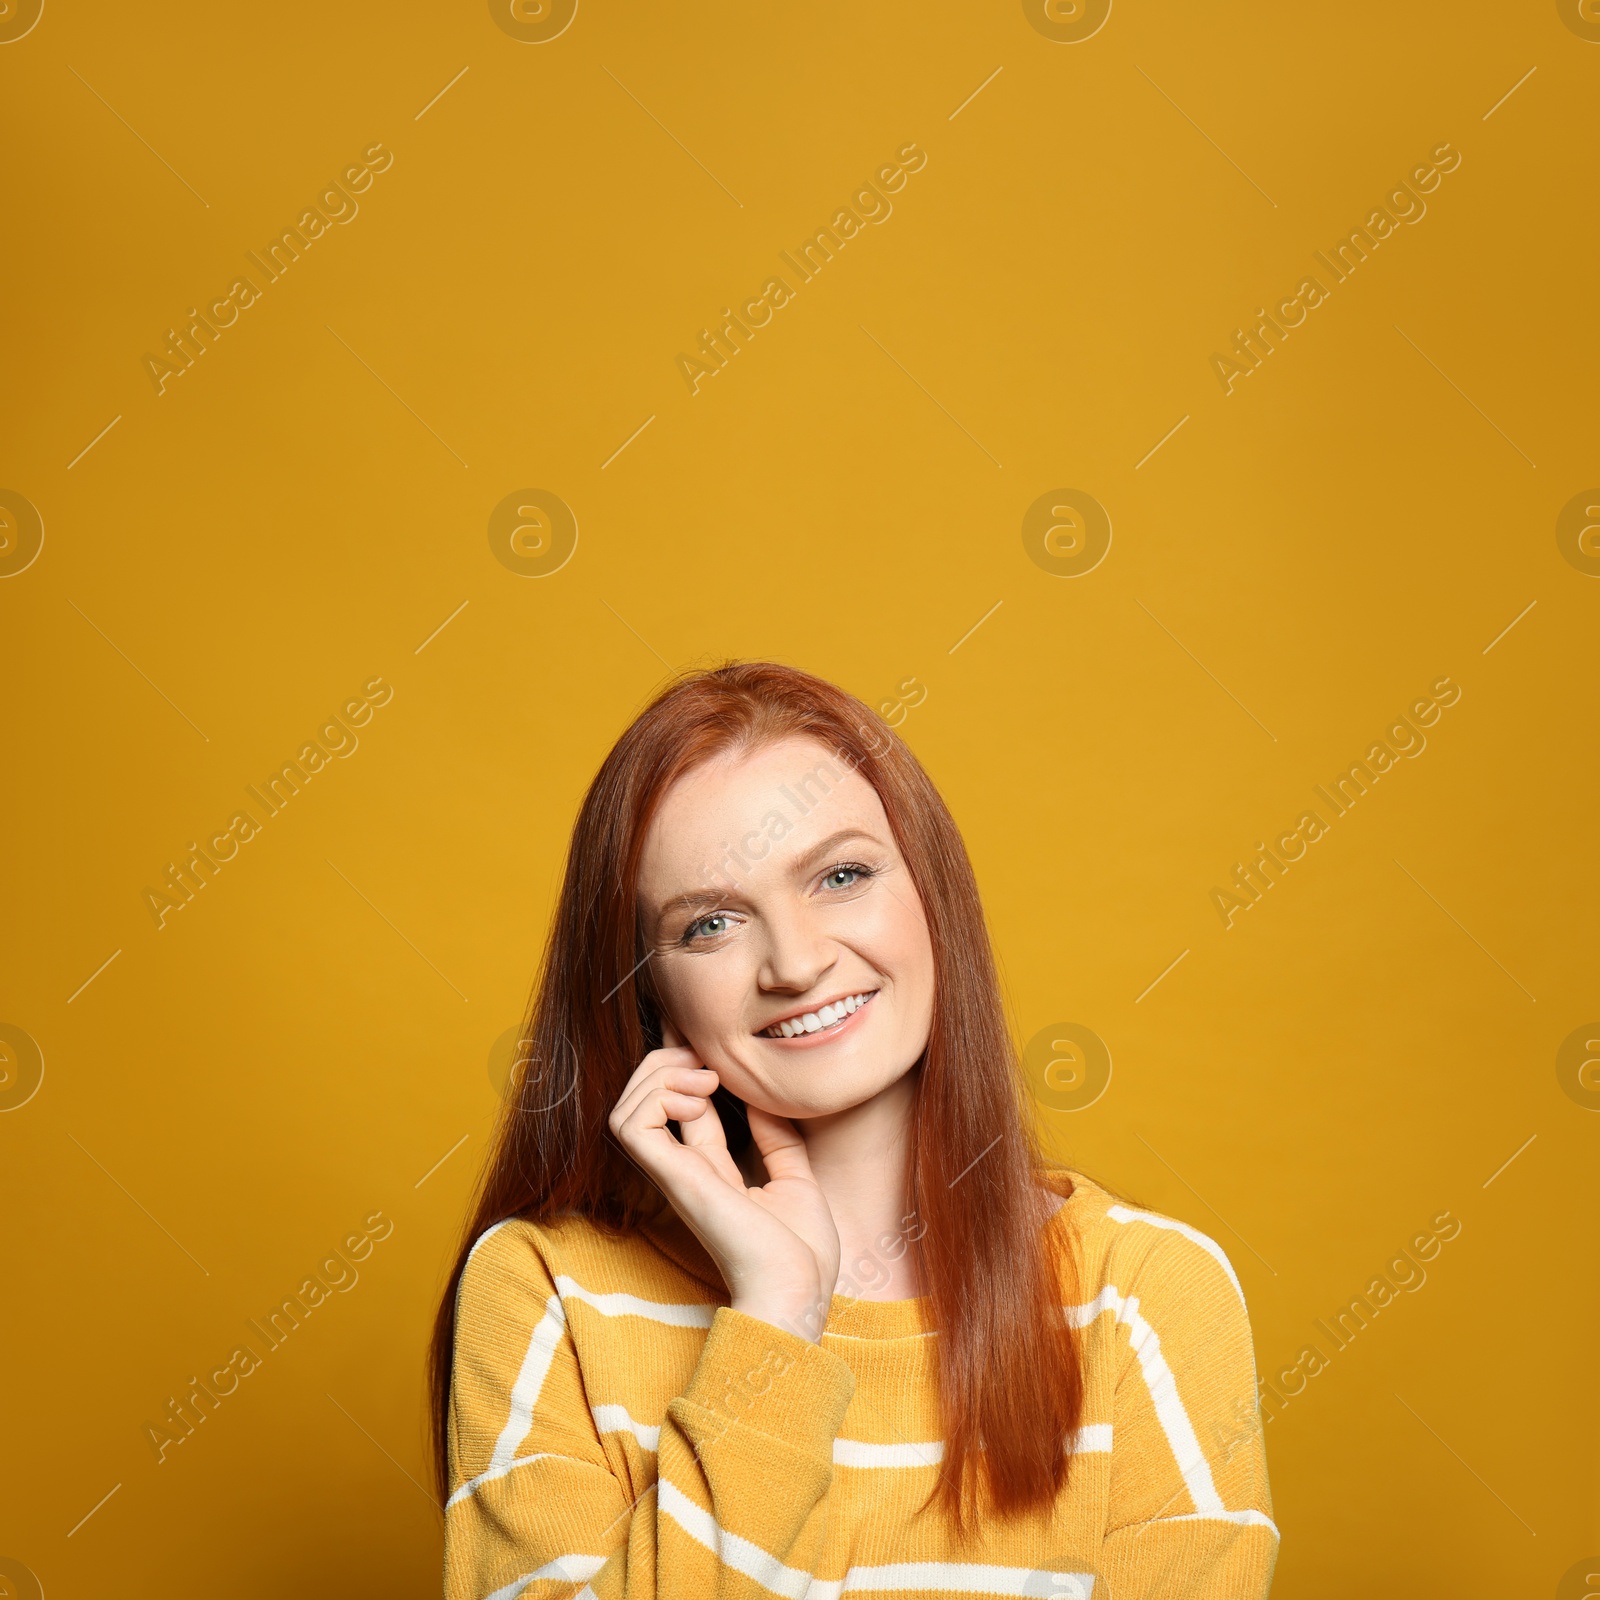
(848,1317)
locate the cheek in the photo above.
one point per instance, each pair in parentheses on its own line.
(894,937)
(705,994)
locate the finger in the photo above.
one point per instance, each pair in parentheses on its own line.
(681,1080)
(782,1149)
(705,1169)
(650,1144)
(687,1110)
(671,1039)
(707,1133)
(645,1133)
(653,1064)
(708,1138)
(691,1080)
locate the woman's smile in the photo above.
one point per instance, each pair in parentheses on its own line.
(815,1024)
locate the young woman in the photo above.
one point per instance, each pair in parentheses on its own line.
(768,1290)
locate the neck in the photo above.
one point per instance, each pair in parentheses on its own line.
(861,1160)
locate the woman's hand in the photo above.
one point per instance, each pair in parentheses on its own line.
(776,1246)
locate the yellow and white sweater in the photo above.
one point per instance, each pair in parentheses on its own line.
(616,1429)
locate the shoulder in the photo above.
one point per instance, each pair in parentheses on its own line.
(1123,1251)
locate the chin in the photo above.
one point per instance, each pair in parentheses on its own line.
(802,1110)
(825,1095)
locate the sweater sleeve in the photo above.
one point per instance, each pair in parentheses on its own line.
(744,1455)
(1191,1512)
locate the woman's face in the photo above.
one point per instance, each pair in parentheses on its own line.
(771,891)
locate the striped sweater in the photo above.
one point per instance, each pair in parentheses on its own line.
(616,1428)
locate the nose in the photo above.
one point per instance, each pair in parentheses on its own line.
(798,955)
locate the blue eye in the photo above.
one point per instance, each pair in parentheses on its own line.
(846,875)
(710,927)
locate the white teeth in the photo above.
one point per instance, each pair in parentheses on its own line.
(828,1016)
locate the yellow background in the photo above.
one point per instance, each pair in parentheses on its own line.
(236,557)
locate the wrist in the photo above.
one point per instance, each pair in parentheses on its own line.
(803,1315)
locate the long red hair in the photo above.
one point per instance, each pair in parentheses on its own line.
(1009,1368)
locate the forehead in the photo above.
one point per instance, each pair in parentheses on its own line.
(790,795)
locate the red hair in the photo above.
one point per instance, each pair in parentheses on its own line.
(1010,1373)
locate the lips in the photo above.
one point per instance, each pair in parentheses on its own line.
(819,1020)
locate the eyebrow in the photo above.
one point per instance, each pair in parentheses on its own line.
(708,898)
(829,845)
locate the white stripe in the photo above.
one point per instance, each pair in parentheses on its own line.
(530,1381)
(1107,1300)
(1092,1440)
(951,1577)
(484,1237)
(1169,1408)
(564,1569)
(740,1554)
(630,1305)
(944,1577)
(1246,1519)
(1194,1235)
(857,1453)
(540,1353)
(472,1485)
(1175,1422)
(524,1397)
(616,1419)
